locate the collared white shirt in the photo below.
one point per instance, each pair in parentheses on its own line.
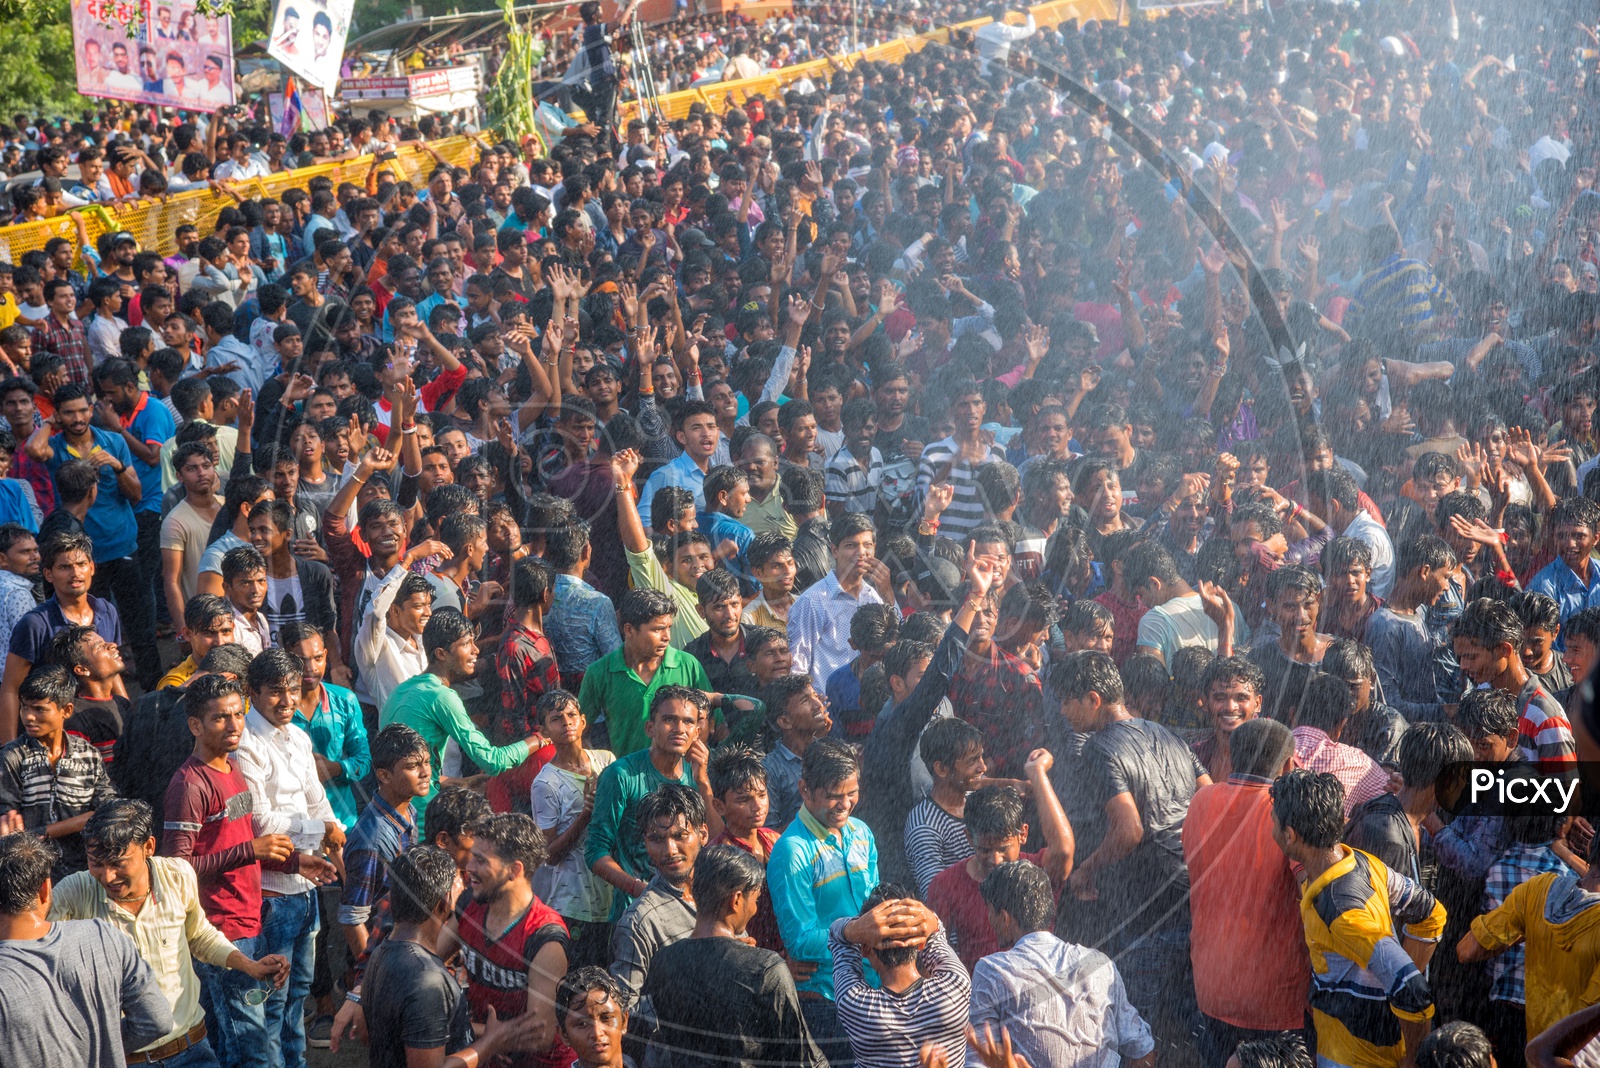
(1062,1004)
(252,632)
(384,658)
(819,627)
(278,765)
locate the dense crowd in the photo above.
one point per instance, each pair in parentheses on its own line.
(849,578)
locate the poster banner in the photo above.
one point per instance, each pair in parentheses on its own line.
(298,109)
(175,57)
(308,38)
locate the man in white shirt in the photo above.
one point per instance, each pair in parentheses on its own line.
(278,763)
(1178,616)
(819,619)
(995,39)
(240,164)
(244,583)
(1333,499)
(1060,1003)
(388,644)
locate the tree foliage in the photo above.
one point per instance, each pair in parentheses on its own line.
(37,76)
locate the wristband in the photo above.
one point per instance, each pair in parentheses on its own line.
(353,996)
(1509,578)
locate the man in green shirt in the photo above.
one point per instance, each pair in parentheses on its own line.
(678,727)
(622,684)
(689,555)
(428,705)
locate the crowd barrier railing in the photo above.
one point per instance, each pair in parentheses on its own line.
(155,223)
(718,95)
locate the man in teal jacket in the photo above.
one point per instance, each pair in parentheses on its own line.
(428,705)
(823,867)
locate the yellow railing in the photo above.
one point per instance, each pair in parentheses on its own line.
(721,95)
(155,223)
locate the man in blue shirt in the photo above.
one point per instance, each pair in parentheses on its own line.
(695,427)
(68,569)
(110,522)
(1573,577)
(824,867)
(145,424)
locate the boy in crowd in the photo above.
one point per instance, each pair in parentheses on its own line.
(996,827)
(770,559)
(873,629)
(386,828)
(562,798)
(98,711)
(798,716)
(1488,640)
(615,850)
(739,798)
(51,781)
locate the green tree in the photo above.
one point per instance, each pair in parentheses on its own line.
(37,76)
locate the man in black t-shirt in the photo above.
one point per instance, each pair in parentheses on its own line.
(412,1001)
(598,97)
(1140,777)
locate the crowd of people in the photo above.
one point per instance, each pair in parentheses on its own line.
(849,578)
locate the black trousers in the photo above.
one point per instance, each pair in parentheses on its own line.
(124,581)
(599,103)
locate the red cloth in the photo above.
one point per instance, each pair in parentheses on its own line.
(954,897)
(764,924)
(497,971)
(511,791)
(1248,943)
(1125,618)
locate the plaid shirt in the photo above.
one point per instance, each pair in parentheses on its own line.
(527,669)
(1363,779)
(1000,695)
(380,835)
(70,342)
(1520,862)
(44,794)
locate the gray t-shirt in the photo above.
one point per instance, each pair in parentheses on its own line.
(77,997)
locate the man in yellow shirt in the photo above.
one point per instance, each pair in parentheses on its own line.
(1370,931)
(151,899)
(1557,916)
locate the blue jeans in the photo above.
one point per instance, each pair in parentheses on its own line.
(199,1055)
(289,926)
(822,1020)
(237,1031)
(1159,977)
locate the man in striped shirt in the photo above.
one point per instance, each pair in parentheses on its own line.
(922,989)
(1399,290)
(956,459)
(855,471)
(1487,640)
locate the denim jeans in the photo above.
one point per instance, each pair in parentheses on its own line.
(1159,977)
(199,1055)
(237,1030)
(289,926)
(822,1020)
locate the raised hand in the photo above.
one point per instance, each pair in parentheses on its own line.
(799,309)
(937,500)
(625,464)
(1310,248)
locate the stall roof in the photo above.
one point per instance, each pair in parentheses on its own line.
(465,29)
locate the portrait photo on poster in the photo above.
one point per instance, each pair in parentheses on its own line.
(175,56)
(308,38)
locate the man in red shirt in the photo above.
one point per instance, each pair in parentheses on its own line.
(209,823)
(1251,971)
(995,825)
(514,946)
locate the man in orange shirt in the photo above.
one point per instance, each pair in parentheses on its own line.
(1251,970)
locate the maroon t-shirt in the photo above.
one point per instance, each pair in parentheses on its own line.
(954,897)
(208,823)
